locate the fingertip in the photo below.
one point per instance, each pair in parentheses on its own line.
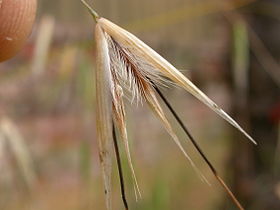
(16,21)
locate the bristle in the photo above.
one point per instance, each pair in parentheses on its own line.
(132,71)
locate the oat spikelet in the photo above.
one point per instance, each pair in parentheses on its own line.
(125,62)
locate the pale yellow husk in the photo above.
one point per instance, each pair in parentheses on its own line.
(104,111)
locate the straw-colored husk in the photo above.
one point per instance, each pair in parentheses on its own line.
(104,110)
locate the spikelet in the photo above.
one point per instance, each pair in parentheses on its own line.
(125,62)
(140,66)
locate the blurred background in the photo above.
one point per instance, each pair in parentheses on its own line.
(229,49)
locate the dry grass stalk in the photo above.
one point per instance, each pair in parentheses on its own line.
(124,61)
(10,133)
(104,110)
(42,45)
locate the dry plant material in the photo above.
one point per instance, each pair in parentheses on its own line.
(9,134)
(42,44)
(126,63)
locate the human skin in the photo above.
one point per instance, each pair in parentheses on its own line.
(16,21)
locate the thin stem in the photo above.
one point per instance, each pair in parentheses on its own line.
(92,11)
(197,147)
(119,168)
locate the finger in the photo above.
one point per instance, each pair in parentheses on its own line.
(16,21)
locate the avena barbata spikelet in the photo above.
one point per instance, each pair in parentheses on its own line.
(125,62)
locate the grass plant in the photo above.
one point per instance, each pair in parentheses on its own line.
(125,64)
